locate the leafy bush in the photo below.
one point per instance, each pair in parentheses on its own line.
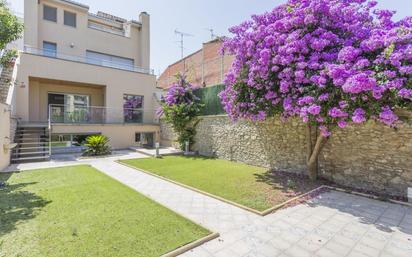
(97,145)
(10,29)
(328,62)
(180,108)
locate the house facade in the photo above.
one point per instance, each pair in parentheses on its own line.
(80,74)
(205,67)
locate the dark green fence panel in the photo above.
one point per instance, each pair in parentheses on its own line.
(209,97)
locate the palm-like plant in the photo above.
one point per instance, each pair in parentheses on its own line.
(97,145)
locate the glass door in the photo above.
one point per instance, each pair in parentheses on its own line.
(69,108)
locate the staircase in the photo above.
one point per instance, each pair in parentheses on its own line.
(32,144)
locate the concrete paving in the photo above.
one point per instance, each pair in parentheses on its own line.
(332,224)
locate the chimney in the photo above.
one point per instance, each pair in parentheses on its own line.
(144,19)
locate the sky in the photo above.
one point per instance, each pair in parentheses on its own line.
(193,17)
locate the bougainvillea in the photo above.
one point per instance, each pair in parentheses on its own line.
(329,62)
(180,108)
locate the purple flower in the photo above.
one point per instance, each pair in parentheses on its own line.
(324,131)
(323,97)
(359,83)
(405,93)
(314,109)
(342,124)
(387,116)
(308,57)
(348,54)
(337,113)
(358,116)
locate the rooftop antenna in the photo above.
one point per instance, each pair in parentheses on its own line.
(212,33)
(182,35)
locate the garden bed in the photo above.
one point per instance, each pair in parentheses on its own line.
(78,211)
(253,188)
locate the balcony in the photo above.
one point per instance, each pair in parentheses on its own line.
(87,60)
(78,115)
(112,30)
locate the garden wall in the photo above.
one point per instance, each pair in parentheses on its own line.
(372,156)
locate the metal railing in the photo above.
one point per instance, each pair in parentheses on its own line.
(84,59)
(103,28)
(71,114)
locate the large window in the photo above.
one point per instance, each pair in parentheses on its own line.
(133,108)
(69,19)
(49,49)
(69,108)
(49,13)
(109,60)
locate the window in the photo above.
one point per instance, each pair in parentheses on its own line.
(69,19)
(49,49)
(145,140)
(138,137)
(50,13)
(109,60)
(133,108)
(70,108)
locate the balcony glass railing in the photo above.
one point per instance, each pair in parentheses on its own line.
(84,59)
(71,114)
(103,28)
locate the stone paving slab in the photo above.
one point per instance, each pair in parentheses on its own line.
(332,224)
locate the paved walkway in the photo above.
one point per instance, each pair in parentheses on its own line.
(332,224)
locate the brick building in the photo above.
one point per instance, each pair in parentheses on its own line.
(204,67)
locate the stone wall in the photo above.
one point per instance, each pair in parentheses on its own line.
(5,81)
(372,156)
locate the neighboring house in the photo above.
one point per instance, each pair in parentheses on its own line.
(205,67)
(81,74)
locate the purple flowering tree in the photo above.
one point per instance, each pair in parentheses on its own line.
(180,108)
(328,62)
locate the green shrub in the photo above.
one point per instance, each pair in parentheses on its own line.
(97,145)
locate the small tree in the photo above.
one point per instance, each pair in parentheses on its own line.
(10,30)
(329,62)
(181,108)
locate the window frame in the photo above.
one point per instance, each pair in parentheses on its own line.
(51,54)
(75,19)
(109,60)
(130,112)
(44,12)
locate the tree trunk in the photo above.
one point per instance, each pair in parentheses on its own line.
(313,152)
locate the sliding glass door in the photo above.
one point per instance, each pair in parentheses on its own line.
(69,108)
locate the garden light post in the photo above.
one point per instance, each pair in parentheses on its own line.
(157,154)
(187,149)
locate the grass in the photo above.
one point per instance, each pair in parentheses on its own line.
(78,211)
(251,186)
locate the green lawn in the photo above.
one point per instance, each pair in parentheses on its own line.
(247,185)
(78,211)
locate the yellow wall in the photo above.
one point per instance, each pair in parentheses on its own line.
(38,92)
(75,41)
(121,136)
(4,136)
(116,82)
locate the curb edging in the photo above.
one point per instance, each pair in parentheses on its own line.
(260,213)
(191,246)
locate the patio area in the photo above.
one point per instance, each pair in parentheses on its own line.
(331,224)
